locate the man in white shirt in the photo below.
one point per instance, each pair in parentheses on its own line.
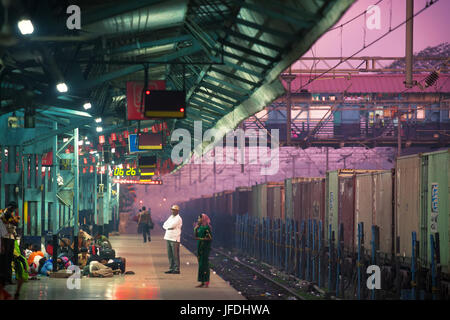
(173,232)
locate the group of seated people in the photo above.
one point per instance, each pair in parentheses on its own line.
(96,257)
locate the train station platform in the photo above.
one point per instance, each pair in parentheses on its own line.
(149,262)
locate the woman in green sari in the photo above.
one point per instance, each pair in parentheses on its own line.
(202,232)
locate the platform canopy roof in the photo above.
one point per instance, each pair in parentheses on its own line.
(231,53)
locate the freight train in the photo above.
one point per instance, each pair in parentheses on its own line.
(327,229)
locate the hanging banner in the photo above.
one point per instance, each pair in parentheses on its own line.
(135,109)
(47,159)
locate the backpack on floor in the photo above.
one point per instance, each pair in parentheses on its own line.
(107,253)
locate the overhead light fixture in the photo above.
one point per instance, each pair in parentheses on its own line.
(87,143)
(80,142)
(113,150)
(98,120)
(99,129)
(65,139)
(87,106)
(62,87)
(25,26)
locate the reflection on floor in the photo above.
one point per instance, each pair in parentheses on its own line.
(148,261)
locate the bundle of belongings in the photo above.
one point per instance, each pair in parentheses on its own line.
(96,258)
(99,259)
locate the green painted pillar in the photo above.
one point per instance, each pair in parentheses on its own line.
(76,191)
(31,202)
(39,199)
(2,181)
(12,159)
(25,187)
(46,202)
(95,197)
(21,186)
(54,173)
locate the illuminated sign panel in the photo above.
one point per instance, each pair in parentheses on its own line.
(131,181)
(150,141)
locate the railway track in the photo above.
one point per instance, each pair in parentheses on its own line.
(253,280)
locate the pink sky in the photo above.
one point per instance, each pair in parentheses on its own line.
(431,28)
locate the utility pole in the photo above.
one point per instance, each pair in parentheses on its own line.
(399,135)
(409,43)
(288,78)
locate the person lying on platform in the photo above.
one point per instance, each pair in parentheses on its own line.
(83,257)
(98,269)
(45,266)
(115,264)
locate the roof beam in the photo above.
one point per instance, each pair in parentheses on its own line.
(275,32)
(116,9)
(272,87)
(255,41)
(247,51)
(233,76)
(135,68)
(216,96)
(228,84)
(306,21)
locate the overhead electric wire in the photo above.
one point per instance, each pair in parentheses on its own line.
(354,18)
(365,47)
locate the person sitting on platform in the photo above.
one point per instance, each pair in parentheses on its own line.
(34,266)
(83,257)
(49,250)
(33,259)
(100,239)
(28,251)
(84,239)
(63,262)
(65,248)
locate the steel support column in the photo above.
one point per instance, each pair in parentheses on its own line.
(76,191)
